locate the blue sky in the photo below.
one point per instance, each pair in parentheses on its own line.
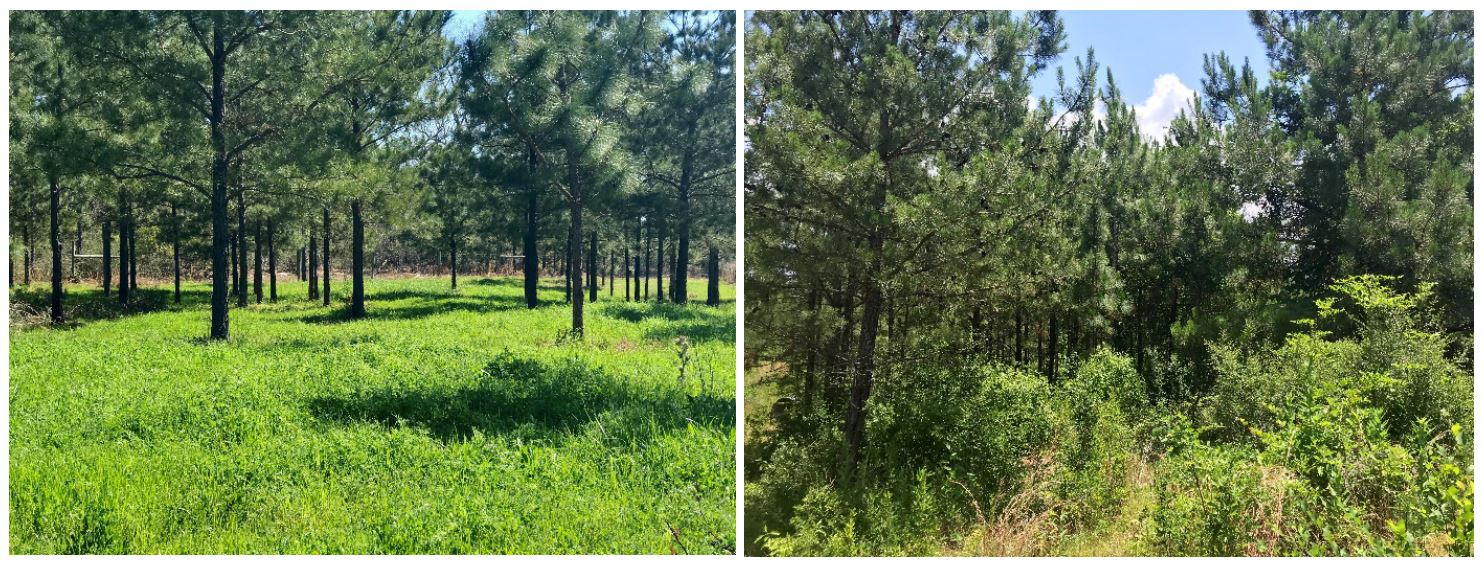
(463,24)
(1141,47)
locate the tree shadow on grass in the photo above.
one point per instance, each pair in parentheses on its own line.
(442,304)
(694,331)
(532,400)
(640,311)
(82,306)
(516,282)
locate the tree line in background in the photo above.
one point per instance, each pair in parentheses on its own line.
(914,224)
(190,144)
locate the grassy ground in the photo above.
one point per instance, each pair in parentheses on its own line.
(446,422)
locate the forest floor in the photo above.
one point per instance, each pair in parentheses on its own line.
(447,421)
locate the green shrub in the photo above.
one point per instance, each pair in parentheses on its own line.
(1104,399)
(1334,450)
(973,426)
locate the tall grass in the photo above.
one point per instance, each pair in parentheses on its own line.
(445,422)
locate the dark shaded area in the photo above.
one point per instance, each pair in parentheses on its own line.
(82,306)
(433,305)
(531,400)
(640,311)
(695,332)
(516,282)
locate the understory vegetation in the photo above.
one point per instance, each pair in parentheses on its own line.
(981,327)
(1321,446)
(444,421)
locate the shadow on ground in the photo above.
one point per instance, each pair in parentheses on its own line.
(533,400)
(426,304)
(640,311)
(517,282)
(86,305)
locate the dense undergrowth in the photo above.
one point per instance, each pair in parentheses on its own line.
(1351,437)
(444,422)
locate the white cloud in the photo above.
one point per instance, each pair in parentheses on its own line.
(1168,98)
(1067,119)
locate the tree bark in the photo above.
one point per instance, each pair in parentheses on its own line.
(124,264)
(312,266)
(56,251)
(272,265)
(175,248)
(659,269)
(324,256)
(357,262)
(575,266)
(592,268)
(219,316)
(713,279)
(26,254)
(566,263)
(242,245)
(107,257)
(869,327)
(76,246)
(453,261)
(648,260)
(133,253)
(257,261)
(532,266)
(681,282)
(236,272)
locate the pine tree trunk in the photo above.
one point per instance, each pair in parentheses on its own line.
(453,261)
(175,248)
(357,262)
(659,269)
(324,257)
(713,279)
(56,251)
(219,315)
(575,266)
(107,257)
(242,247)
(864,382)
(532,262)
(133,254)
(257,261)
(124,264)
(566,265)
(648,260)
(681,283)
(272,266)
(76,246)
(236,278)
(312,267)
(592,269)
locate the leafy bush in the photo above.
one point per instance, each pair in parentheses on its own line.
(1104,398)
(1335,447)
(974,426)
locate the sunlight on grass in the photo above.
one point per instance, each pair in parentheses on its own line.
(445,422)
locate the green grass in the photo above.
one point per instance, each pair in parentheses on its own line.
(446,422)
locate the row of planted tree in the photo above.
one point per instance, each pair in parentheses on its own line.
(590,144)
